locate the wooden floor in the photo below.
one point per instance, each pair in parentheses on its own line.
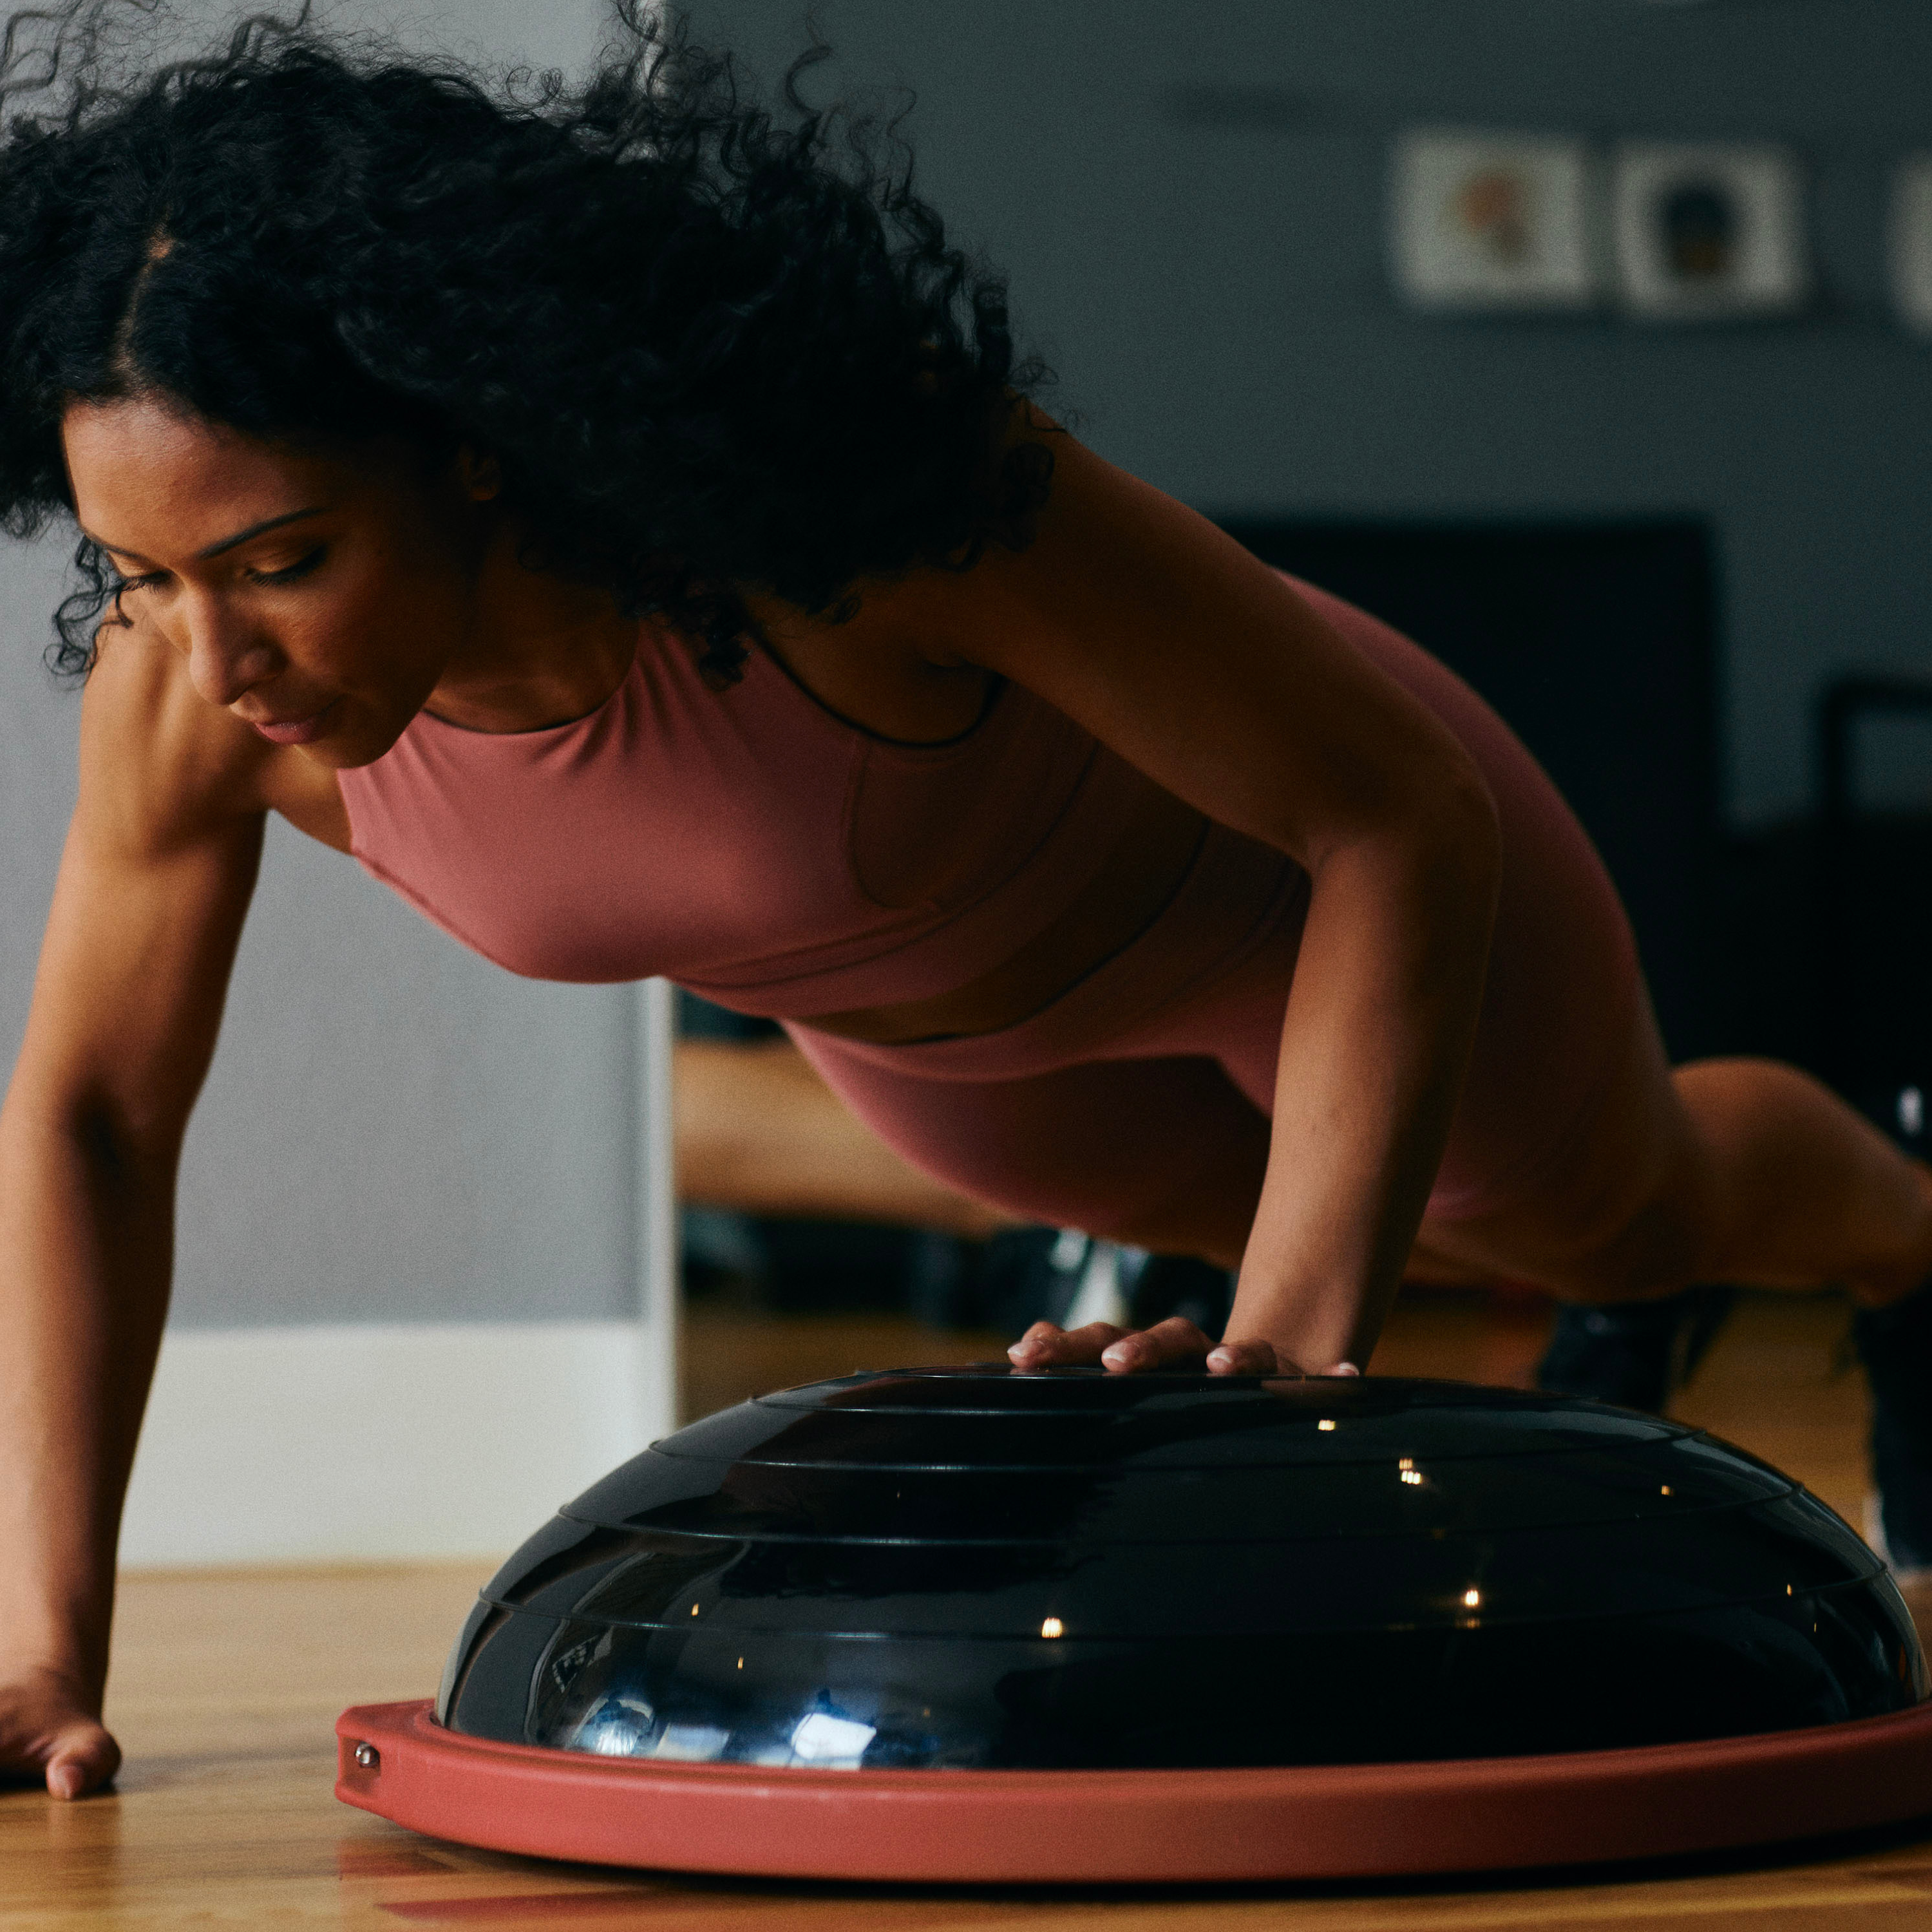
(225,1686)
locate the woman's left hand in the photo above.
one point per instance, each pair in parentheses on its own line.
(1125,1350)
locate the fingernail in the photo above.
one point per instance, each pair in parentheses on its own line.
(1344,1369)
(63,1780)
(1221,1356)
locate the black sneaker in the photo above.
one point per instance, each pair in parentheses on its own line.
(1636,1354)
(1895,1345)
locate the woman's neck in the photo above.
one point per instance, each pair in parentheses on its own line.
(540,650)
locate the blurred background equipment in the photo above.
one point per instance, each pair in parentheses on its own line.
(1872,913)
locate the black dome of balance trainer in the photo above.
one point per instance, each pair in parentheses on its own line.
(936,1572)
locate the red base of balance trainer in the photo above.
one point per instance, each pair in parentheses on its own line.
(978,1827)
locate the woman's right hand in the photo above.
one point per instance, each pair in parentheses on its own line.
(50,1728)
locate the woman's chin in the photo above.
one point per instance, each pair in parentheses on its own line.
(351,738)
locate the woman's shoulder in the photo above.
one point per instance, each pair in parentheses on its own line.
(1102,539)
(162,768)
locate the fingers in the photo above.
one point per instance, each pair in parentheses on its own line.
(83,1758)
(49,1729)
(1173,1340)
(1044,1346)
(1249,1358)
(1124,1350)
(1131,1352)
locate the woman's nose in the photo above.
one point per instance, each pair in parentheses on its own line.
(226,659)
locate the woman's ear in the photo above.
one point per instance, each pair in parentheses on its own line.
(479,475)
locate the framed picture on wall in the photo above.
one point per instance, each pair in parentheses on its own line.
(1706,232)
(1488,221)
(1911,242)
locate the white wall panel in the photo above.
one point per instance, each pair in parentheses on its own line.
(373,1440)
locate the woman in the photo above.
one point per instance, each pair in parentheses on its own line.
(624,530)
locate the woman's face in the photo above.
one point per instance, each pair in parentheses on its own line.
(319,597)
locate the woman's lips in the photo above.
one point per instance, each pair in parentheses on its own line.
(293,730)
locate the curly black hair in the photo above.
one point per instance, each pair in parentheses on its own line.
(713,344)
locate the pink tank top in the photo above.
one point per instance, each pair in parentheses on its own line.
(748,844)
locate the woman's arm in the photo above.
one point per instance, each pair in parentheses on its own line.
(153,888)
(1178,649)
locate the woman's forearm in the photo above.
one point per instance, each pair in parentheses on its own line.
(86,1233)
(1381,1021)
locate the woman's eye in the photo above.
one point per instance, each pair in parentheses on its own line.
(144,582)
(290,573)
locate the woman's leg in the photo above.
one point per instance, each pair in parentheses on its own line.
(1808,1191)
(1742,1170)
(758,1132)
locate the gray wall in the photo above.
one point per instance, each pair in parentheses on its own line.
(1189,201)
(393,1130)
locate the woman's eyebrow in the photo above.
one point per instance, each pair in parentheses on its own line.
(226,544)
